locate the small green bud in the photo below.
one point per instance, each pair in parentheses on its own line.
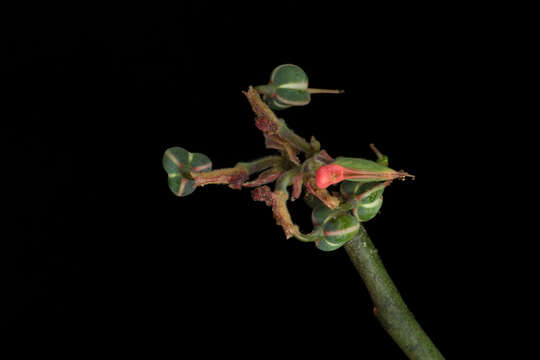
(179,164)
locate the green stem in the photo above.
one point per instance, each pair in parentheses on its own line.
(261,164)
(286,180)
(390,309)
(267,90)
(295,140)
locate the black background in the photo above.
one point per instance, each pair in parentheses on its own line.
(103,249)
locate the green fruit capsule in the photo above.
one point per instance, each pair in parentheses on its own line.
(325,245)
(291,84)
(337,232)
(369,205)
(179,163)
(319,214)
(289,87)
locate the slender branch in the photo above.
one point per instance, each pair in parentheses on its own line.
(295,140)
(264,163)
(275,129)
(390,309)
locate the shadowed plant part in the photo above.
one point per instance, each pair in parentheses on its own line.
(344,193)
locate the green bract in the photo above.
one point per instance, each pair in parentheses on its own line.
(337,232)
(179,163)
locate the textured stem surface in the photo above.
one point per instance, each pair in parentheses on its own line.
(390,309)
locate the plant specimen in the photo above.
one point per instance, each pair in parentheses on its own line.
(337,216)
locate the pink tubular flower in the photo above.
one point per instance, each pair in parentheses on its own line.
(328,175)
(334,173)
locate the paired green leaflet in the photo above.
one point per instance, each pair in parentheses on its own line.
(179,163)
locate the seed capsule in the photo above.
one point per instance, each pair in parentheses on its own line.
(325,245)
(319,214)
(289,87)
(179,163)
(337,232)
(369,205)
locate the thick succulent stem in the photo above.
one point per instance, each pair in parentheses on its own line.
(390,309)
